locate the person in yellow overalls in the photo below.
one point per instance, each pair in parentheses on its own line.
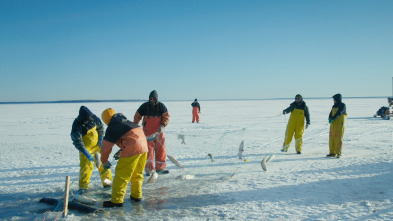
(337,120)
(130,138)
(86,134)
(299,111)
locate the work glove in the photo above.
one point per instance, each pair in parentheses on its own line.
(107,165)
(283,112)
(161,129)
(88,155)
(331,120)
(307,125)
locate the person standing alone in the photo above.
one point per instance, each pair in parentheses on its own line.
(196,109)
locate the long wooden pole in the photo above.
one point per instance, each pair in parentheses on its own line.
(66,195)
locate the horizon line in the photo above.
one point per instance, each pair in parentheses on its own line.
(139,100)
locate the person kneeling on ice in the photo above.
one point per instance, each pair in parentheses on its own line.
(337,120)
(155,119)
(86,134)
(299,111)
(133,144)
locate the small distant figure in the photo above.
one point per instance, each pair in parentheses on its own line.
(299,111)
(337,120)
(196,110)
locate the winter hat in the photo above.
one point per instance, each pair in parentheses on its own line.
(84,114)
(337,97)
(107,115)
(298,96)
(195,99)
(154,94)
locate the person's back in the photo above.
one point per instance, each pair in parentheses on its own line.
(130,138)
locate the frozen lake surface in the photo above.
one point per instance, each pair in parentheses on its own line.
(37,154)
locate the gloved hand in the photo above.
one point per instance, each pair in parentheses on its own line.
(161,129)
(331,120)
(283,112)
(88,155)
(307,125)
(107,165)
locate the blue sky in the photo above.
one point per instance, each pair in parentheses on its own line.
(206,49)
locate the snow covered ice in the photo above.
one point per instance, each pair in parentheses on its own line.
(37,154)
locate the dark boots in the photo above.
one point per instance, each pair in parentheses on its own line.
(110,204)
(133,199)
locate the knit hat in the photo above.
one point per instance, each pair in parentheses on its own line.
(107,115)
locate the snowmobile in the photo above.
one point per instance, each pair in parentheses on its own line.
(386,112)
(383,112)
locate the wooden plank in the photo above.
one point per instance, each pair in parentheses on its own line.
(66,195)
